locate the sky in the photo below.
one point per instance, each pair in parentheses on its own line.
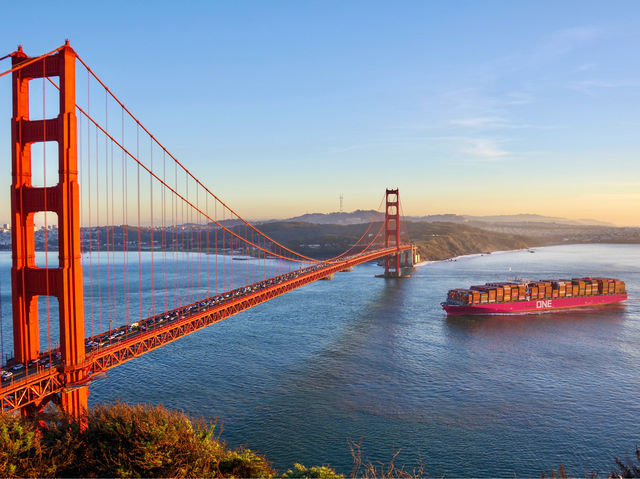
(280,107)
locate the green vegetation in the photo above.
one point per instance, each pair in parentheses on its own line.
(316,240)
(438,241)
(301,472)
(122,441)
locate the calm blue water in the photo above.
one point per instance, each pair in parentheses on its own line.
(377,362)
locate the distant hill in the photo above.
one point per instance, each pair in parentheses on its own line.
(510,219)
(366,216)
(443,240)
(338,218)
(531,218)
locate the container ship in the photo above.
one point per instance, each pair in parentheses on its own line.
(534,296)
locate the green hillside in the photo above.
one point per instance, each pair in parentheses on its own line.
(435,241)
(438,241)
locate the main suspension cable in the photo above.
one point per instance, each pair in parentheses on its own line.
(303,258)
(188,172)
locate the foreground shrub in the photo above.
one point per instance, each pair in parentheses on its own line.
(146,441)
(302,472)
(28,450)
(122,441)
(20,447)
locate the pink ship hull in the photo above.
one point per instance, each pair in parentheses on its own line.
(534,305)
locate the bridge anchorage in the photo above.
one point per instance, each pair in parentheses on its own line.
(177,294)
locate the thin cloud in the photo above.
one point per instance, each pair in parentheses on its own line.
(481,122)
(517,98)
(485,149)
(589,87)
(565,41)
(552,47)
(487,122)
(585,67)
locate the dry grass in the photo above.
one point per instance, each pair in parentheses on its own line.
(627,468)
(381,470)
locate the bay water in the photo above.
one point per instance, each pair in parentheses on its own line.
(378,363)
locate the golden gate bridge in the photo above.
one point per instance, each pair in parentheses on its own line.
(137,200)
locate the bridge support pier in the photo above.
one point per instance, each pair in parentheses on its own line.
(65,281)
(74,402)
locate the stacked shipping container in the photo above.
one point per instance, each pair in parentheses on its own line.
(536,290)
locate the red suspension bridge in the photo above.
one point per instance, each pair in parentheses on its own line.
(143,254)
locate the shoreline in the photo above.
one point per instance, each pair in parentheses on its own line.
(531,248)
(471,255)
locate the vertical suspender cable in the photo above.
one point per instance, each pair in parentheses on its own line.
(164,233)
(153,284)
(199,261)
(174,208)
(90,225)
(125,231)
(215,239)
(98,231)
(113,243)
(197,246)
(106,180)
(208,252)
(224,255)
(232,265)
(140,316)
(182,249)
(192,280)
(99,256)
(183,255)
(253,263)
(201,266)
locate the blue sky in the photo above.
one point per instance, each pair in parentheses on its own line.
(279,107)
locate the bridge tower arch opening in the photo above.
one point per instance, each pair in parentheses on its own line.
(28,280)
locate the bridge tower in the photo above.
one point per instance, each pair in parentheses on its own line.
(392,233)
(65,281)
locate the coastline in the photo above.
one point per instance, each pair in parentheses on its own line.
(470,255)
